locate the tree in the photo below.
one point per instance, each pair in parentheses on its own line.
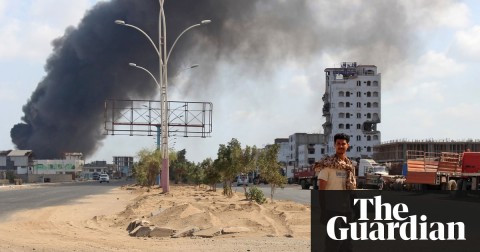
(227,164)
(247,162)
(211,175)
(270,168)
(196,173)
(179,167)
(149,166)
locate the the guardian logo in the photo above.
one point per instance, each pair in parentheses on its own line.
(395,223)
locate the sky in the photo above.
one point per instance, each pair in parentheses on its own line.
(429,88)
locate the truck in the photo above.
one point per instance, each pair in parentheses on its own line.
(443,170)
(371,174)
(305,176)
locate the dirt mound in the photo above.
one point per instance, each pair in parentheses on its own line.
(188,206)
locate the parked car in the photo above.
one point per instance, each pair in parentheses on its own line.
(242,180)
(96,176)
(104,178)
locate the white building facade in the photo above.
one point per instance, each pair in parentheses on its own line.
(352,105)
(284,150)
(72,164)
(308,154)
(303,139)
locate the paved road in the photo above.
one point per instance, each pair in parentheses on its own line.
(54,194)
(43,195)
(290,192)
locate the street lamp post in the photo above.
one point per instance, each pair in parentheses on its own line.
(163,57)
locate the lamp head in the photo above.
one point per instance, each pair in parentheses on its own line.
(204,22)
(120,22)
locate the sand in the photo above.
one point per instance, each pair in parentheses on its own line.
(98,223)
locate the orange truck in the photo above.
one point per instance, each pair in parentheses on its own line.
(444,170)
(305,176)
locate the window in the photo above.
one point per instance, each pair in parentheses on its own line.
(369,105)
(375,117)
(375,83)
(341,104)
(369,83)
(375,94)
(369,115)
(359,94)
(347,115)
(340,94)
(369,149)
(369,138)
(341,115)
(311,160)
(375,137)
(359,83)
(347,94)
(359,115)
(359,138)
(340,126)
(375,104)
(359,149)
(347,126)
(359,126)
(347,104)
(311,150)
(369,94)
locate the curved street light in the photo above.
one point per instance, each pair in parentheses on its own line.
(121,22)
(163,57)
(144,69)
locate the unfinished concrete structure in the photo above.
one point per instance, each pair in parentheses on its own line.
(395,152)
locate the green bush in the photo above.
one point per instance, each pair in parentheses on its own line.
(255,194)
(11,176)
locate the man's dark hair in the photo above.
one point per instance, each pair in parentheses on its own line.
(341,136)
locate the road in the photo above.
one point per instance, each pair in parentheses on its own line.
(54,194)
(43,195)
(290,192)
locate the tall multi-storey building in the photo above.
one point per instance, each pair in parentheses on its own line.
(352,105)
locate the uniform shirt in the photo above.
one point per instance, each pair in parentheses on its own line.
(332,170)
(336,179)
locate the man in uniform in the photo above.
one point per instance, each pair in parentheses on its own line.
(336,172)
(335,175)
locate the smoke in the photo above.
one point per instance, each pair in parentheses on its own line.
(89,63)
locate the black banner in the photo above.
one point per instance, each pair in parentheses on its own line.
(372,220)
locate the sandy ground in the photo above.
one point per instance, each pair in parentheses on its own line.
(98,223)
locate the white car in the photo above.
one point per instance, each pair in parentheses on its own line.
(242,180)
(104,178)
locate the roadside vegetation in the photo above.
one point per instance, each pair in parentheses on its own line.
(232,160)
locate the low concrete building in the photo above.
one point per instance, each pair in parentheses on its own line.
(16,161)
(308,154)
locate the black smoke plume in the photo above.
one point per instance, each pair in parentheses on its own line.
(89,63)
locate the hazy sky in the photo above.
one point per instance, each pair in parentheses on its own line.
(429,86)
